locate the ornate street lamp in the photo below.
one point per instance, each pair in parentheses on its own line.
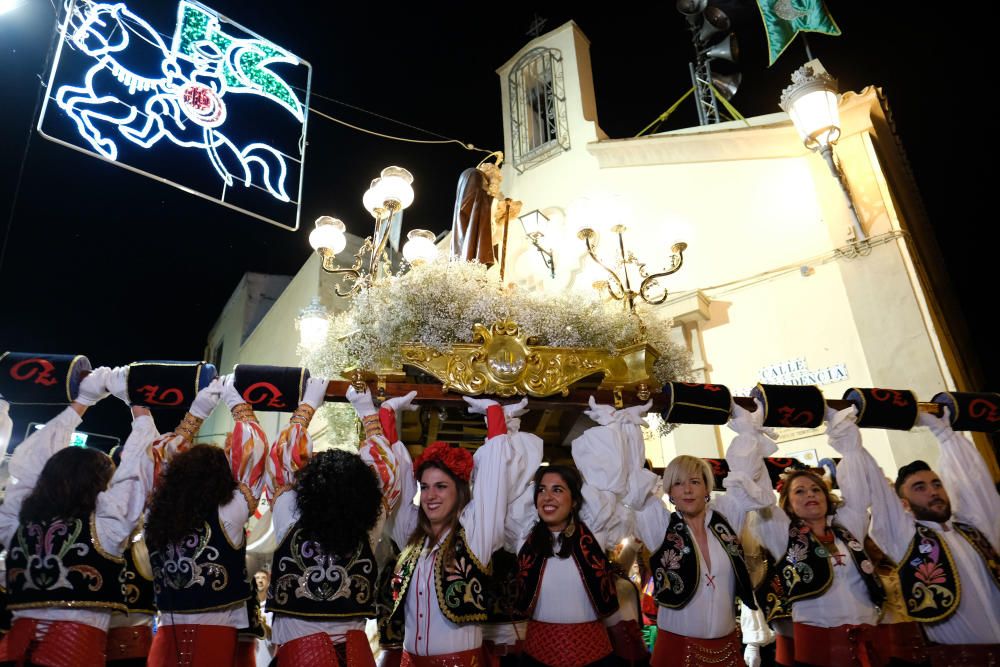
(812,103)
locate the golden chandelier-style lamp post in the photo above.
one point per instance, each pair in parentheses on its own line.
(388,194)
(620,286)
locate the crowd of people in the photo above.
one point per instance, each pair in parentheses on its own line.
(491,558)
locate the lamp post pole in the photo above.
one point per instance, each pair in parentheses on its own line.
(827,152)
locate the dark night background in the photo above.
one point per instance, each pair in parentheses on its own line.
(104,262)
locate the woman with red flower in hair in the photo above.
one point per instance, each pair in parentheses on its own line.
(438,585)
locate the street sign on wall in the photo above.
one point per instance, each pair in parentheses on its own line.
(185,96)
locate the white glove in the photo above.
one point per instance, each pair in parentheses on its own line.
(401,403)
(512,410)
(94,387)
(751,655)
(600,413)
(745,422)
(230,394)
(634,414)
(118,384)
(478,406)
(939,426)
(842,429)
(315,392)
(207,399)
(362,401)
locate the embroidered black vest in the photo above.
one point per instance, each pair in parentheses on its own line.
(460,584)
(390,628)
(806,572)
(677,570)
(770,594)
(254,617)
(501,588)
(5,615)
(309,583)
(60,563)
(591,562)
(137,590)
(929,578)
(201,572)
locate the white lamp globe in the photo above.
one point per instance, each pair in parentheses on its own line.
(419,247)
(396,185)
(328,235)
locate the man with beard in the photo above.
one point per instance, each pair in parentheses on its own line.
(947,561)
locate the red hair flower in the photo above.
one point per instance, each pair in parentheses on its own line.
(456,459)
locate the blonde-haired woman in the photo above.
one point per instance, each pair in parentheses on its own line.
(698,567)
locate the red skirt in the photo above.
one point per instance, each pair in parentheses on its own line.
(903,641)
(964,655)
(130,641)
(842,646)
(470,658)
(784,650)
(65,644)
(318,650)
(567,644)
(193,646)
(671,649)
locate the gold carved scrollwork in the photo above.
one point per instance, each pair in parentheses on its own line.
(501,362)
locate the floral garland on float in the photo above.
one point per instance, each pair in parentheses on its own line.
(452,322)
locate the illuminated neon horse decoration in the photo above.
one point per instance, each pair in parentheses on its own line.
(148,91)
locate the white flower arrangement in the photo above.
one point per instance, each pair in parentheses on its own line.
(438,303)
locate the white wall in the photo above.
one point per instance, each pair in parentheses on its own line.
(754,207)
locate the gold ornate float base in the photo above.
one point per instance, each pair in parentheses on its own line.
(501,362)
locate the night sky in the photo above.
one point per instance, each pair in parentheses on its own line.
(107,263)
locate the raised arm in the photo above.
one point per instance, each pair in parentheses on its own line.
(246,446)
(503,467)
(388,457)
(844,436)
(967,478)
(246,449)
(863,486)
(748,486)
(6,426)
(30,456)
(290,453)
(165,447)
(119,507)
(610,459)
(641,499)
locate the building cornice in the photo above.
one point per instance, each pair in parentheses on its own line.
(758,138)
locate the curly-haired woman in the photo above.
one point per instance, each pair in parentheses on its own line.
(196,538)
(66,519)
(327,514)
(438,583)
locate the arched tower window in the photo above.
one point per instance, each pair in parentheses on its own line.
(537,108)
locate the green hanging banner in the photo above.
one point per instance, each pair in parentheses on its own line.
(784,19)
